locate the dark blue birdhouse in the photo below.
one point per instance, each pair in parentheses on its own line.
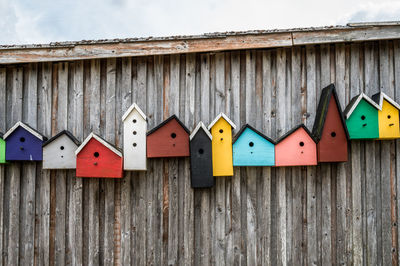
(23,143)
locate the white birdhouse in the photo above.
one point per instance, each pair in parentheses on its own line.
(135,127)
(59,151)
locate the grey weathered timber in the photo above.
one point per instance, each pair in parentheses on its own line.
(343,213)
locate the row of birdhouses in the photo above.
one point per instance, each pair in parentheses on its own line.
(213,151)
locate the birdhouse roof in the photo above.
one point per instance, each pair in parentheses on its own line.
(354,102)
(130,109)
(221,115)
(64,132)
(295,129)
(322,111)
(166,121)
(202,126)
(27,128)
(102,141)
(378,98)
(237,136)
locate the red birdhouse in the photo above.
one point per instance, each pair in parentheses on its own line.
(168,139)
(330,130)
(98,158)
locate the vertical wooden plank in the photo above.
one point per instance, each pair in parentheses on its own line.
(61,123)
(204,195)
(396,55)
(75,125)
(14,171)
(282,125)
(312,248)
(326,243)
(386,156)
(268,121)
(341,176)
(93,193)
(125,183)
(173,108)
(355,88)
(370,167)
(297,187)
(27,203)
(43,195)
(251,179)
(188,213)
(3,97)
(219,248)
(110,130)
(156,105)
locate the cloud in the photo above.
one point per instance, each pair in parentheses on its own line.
(373,11)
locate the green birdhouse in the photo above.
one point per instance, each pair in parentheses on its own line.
(362,118)
(2,149)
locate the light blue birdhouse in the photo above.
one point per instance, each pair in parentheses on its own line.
(252,148)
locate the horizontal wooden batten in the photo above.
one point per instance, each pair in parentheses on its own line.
(66,51)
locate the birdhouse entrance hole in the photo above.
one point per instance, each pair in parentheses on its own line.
(22,139)
(173,135)
(333,134)
(363,117)
(134,144)
(301,143)
(134,132)
(96,154)
(62,148)
(251,144)
(221,131)
(134,121)
(201,151)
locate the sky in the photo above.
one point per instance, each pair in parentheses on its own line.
(44,21)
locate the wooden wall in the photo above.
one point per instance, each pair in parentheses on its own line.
(329,214)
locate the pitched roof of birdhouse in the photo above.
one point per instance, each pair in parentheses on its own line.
(200,125)
(322,111)
(130,109)
(221,115)
(102,141)
(378,98)
(64,132)
(27,128)
(354,102)
(166,121)
(294,130)
(237,136)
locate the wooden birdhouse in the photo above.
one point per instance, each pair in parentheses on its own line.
(59,151)
(168,139)
(95,157)
(361,116)
(2,149)
(23,143)
(297,147)
(252,148)
(388,116)
(135,128)
(330,129)
(201,170)
(221,131)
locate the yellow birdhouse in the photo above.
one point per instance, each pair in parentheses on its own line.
(388,116)
(221,131)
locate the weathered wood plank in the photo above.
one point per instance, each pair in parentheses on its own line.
(15,172)
(3,99)
(93,184)
(193,44)
(28,180)
(125,184)
(282,125)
